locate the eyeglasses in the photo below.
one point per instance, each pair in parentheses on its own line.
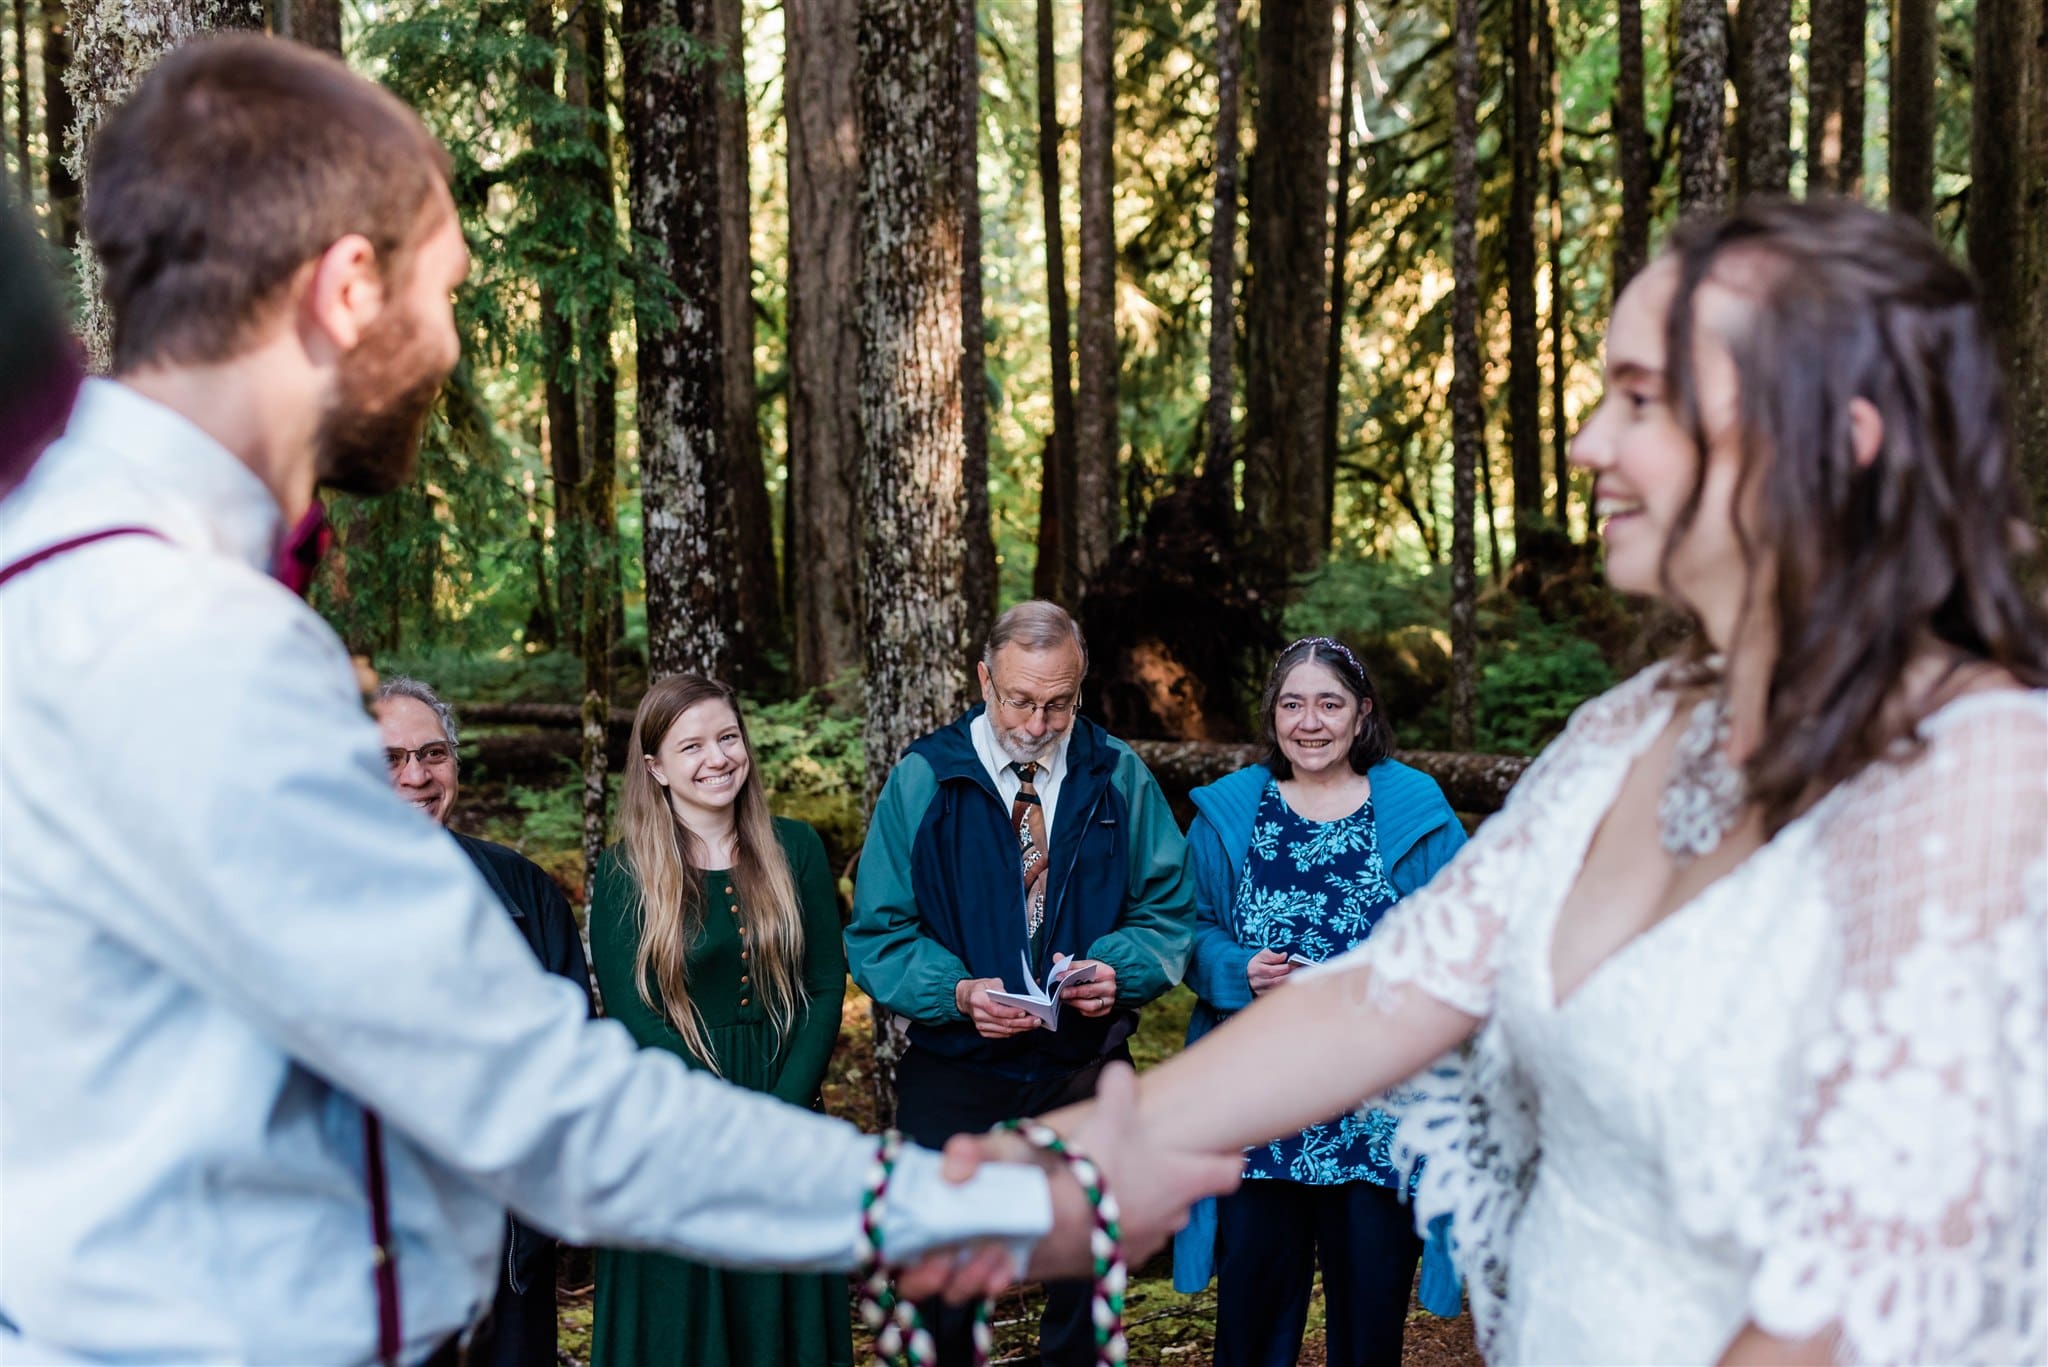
(1054,711)
(433,755)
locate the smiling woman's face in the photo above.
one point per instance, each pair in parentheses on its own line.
(1643,459)
(702,761)
(1316,718)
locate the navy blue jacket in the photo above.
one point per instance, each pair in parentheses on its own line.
(940,897)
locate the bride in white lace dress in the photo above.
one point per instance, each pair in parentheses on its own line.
(1752,969)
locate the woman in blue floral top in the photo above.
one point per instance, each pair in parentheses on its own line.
(1296,859)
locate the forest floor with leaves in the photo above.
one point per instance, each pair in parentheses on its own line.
(1164,1327)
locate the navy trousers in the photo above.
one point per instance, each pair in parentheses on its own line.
(520,1331)
(1269,1237)
(937,1098)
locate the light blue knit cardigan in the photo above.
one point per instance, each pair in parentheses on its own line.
(1418,834)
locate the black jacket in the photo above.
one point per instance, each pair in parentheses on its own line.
(537,907)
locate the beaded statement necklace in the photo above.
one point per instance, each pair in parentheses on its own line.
(900,1335)
(1703,797)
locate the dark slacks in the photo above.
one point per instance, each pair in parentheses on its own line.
(937,1098)
(520,1330)
(1269,1235)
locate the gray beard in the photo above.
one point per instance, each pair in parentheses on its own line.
(1034,755)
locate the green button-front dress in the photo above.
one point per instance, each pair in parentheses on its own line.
(656,1311)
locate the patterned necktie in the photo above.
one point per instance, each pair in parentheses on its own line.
(1027,815)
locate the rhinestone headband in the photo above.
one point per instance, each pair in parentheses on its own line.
(1334,645)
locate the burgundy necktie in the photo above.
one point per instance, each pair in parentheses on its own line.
(303,546)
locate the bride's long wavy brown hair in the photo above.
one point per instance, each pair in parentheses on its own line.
(1871,560)
(659,854)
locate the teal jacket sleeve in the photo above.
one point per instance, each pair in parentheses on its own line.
(1218,967)
(1427,856)
(890,956)
(817,1025)
(1149,948)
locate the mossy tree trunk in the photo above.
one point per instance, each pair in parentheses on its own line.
(757,592)
(1915,48)
(1699,104)
(913,448)
(59,180)
(821,519)
(1340,250)
(1525,379)
(1763,113)
(2008,213)
(1093,524)
(980,541)
(1055,576)
(596,608)
(1219,457)
(114,42)
(317,23)
(1468,420)
(1286,291)
(1560,291)
(1631,147)
(672,137)
(1834,98)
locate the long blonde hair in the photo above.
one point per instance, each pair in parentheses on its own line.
(671,906)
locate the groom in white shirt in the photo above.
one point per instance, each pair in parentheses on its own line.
(226,947)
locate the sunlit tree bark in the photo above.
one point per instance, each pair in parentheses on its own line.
(114,43)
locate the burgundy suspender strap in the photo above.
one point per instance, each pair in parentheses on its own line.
(384,1258)
(29,562)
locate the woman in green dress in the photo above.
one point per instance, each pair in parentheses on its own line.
(715,933)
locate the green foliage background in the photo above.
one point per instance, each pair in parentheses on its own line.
(462,564)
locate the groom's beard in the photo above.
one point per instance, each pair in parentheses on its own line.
(369,438)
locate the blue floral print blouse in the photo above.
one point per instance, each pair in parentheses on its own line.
(1316,888)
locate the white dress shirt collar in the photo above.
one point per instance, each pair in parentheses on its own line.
(195,490)
(1052,770)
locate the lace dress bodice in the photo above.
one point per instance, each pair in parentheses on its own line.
(1813,1097)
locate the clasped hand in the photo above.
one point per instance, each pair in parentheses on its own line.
(1153,1182)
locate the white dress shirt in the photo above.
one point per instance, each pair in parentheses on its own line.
(1051,770)
(219,926)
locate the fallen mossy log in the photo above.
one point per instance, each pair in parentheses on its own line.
(550,736)
(1474,783)
(534,714)
(541,752)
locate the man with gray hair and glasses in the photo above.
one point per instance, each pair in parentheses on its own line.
(1021,838)
(422,747)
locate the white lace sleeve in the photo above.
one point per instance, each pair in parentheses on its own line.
(1445,938)
(1911,1215)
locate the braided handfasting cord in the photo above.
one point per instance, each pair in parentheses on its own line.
(900,1335)
(898,1330)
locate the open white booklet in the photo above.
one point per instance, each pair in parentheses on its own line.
(1044,1002)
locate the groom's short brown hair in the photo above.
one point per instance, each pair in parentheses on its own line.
(236,161)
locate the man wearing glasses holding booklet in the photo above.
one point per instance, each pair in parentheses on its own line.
(1022,893)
